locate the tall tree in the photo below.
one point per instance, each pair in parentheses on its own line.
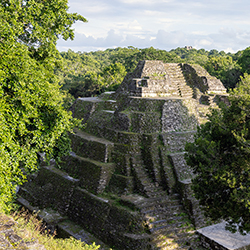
(244,60)
(220,158)
(224,68)
(32,118)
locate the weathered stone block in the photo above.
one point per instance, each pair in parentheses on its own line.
(89,146)
(120,184)
(149,122)
(121,121)
(182,170)
(126,148)
(128,138)
(176,141)
(53,187)
(179,115)
(89,210)
(216,237)
(84,107)
(120,219)
(167,173)
(146,104)
(135,241)
(121,161)
(93,175)
(191,204)
(97,123)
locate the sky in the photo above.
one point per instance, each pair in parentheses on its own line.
(162,24)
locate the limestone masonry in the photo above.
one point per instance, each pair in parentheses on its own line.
(126,180)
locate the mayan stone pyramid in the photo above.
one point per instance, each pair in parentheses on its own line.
(126,180)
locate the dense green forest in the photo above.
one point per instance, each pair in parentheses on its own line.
(89,74)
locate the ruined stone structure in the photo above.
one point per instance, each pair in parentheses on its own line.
(126,180)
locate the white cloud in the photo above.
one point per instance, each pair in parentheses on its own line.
(227,50)
(164,24)
(134,26)
(204,42)
(136,1)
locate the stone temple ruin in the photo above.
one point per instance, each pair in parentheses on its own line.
(126,181)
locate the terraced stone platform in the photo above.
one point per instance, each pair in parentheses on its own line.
(126,180)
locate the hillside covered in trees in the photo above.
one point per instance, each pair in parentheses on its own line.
(89,74)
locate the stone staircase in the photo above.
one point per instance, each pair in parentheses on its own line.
(167,222)
(204,104)
(212,101)
(145,185)
(178,81)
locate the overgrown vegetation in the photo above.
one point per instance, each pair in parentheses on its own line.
(31,229)
(32,117)
(220,158)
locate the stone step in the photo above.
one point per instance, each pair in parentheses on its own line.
(177,81)
(163,212)
(171,240)
(175,68)
(167,226)
(212,102)
(185,87)
(90,146)
(147,186)
(100,123)
(135,241)
(174,75)
(107,95)
(68,228)
(203,110)
(185,91)
(110,105)
(142,203)
(160,200)
(175,236)
(51,187)
(175,93)
(160,207)
(93,175)
(163,222)
(84,107)
(172,230)
(175,71)
(183,171)
(187,95)
(157,223)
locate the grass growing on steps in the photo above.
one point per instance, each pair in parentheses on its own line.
(30,229)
